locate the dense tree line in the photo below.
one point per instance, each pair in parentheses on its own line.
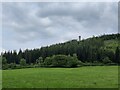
(88,50)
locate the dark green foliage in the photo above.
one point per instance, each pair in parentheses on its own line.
(0,62)
(48,61)
(4,63)
(23,62)
(117,55)
(71,62)
(5,66)
(90,50)
(61,61)
(40,61)
(4,60)
(106,60)
(12,65)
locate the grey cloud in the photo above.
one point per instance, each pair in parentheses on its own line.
(83,12)
(56,22)
(88,14)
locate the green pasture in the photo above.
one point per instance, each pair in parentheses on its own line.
(82,77)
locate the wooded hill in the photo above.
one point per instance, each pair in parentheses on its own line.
(104,49)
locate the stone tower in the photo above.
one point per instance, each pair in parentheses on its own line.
(79,38)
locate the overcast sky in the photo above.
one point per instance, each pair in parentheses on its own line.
(32,25)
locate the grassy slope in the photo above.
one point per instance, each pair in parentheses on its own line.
(97,76)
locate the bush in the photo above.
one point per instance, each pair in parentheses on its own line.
(12,65)
(18,67)
(4,63)
(80,63)
(71,62)
(48,61)
(22,62)
(106,60)
(4,60)
(40,61)
(61,61)
(5,66)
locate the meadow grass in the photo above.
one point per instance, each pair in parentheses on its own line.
(82,77)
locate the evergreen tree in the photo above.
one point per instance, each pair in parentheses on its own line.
(117,55)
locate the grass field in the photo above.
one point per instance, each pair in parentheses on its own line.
(83,77)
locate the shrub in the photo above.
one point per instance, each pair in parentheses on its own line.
(80,63)
(61,61)
(4,63)
(12,65)
(40,61)
(106,60)
(18,66)
(5,66)
(48,61)
(22,62)
(4,60)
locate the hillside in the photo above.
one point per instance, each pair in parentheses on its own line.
(95,49)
